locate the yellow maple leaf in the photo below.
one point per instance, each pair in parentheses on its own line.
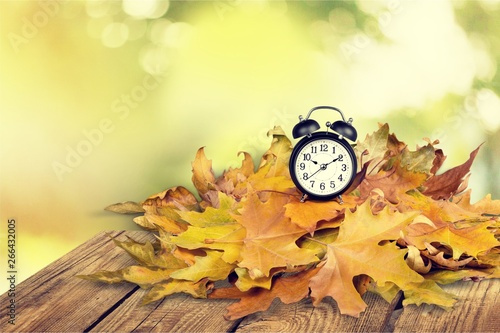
(278,154)
(307,214)
(393,232)
(360,249)
(203,175)
(210,266)
(214,228)
(470,240)
(430,293)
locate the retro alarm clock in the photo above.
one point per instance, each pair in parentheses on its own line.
(323,164)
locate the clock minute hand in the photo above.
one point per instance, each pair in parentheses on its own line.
(335,160)
(322,167)
(314,173)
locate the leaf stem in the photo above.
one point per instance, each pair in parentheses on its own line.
(279,192)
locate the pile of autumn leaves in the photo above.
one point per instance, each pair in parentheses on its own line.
(402,227)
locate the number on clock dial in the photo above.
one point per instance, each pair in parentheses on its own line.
(323,167)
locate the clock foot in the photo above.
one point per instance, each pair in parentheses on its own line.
(340,200)
(304,197)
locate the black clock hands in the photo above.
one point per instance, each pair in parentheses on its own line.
(334,160)
(322,166)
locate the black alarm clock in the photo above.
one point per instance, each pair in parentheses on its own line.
(323,164)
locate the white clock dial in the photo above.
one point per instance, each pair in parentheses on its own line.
(324,167)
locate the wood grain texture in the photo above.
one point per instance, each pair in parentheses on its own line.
(54,300)
(304,317)
(175,313)
(477,310)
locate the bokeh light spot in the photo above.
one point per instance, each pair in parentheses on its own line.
(146,8)
(488,104)
(114,34)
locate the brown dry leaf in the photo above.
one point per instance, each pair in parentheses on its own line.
(447,263)
(416,262)
(393,233)
(176,197)
(448,184)
(228,181)
(439,159)
(289,289)
(373,149)
(394,182)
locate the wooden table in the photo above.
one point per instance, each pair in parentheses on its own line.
(54,300)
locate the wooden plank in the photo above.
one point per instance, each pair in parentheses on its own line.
(55,300)
(476,311)
(304,317)
(175,313)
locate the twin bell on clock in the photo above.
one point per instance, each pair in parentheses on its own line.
(323,164)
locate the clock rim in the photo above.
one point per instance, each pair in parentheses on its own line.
(318,136)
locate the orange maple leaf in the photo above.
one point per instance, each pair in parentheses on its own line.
(289,289)
(484,206)
(270,238)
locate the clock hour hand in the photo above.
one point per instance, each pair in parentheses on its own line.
(323,166)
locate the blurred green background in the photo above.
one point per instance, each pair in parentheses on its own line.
(107,101)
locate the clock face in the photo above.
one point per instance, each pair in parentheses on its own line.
(323,166)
